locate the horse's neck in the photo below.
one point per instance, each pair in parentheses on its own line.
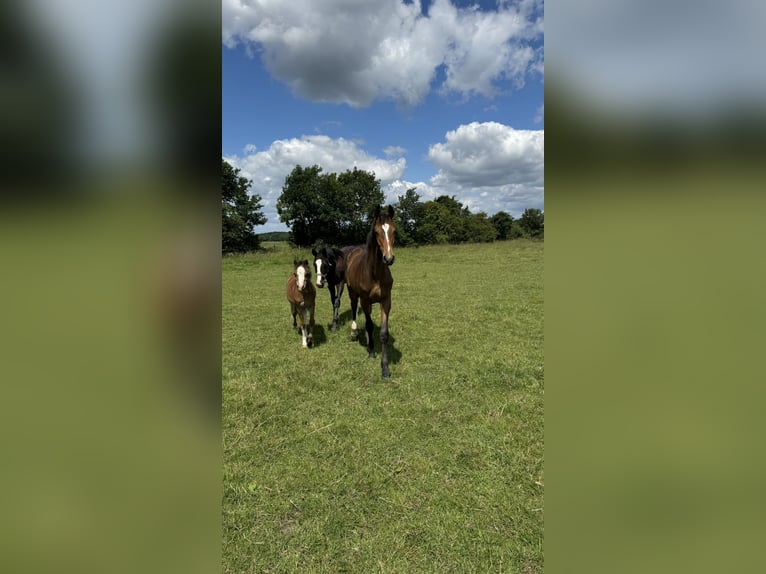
(374,260)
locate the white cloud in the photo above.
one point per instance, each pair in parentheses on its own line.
(394,150)
(355,51)
(399,187)
(491,167)
(268,168)
(488,167)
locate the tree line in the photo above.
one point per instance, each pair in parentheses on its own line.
(336,209)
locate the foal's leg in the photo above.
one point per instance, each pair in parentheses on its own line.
(385,309)
(354,302)
(310,338)
(368,327)
(302,316)
(293,310)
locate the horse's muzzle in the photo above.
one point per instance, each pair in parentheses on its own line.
(388,260)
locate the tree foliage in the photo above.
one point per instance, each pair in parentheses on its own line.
(431,223)
(532,221)
(334,209)
(502,223)
(240,213)
(479,228)
(406,217)
(328,208)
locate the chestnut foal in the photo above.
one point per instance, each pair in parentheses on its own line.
(302,297)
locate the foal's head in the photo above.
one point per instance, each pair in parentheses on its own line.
(302,273)
(383,229)
(324,261)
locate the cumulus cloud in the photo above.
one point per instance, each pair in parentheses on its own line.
(268,168)
(488,167)
(491,167)
(399,187)
(356,51)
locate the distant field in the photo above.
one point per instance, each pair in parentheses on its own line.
(329,468)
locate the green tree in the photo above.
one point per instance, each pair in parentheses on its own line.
(298,206)
(240,213)
(406,216)
(328,208)
(454,222)
(479,228)
(502,223)
(431,226)
(532,221)
(360,194)
(516,230)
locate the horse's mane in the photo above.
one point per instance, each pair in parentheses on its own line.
(371,243)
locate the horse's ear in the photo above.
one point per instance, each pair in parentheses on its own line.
(314,252)
(376,214)
(295,263)
(305,261)
(391,211)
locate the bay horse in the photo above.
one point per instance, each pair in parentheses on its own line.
(302,297)
(368,278)
(331,270)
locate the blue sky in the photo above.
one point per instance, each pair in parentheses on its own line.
(446,97)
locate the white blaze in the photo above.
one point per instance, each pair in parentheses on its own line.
(386,227)
(319,271)
(301,272)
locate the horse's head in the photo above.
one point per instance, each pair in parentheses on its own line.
(324,262)
(302,273)
(383,228)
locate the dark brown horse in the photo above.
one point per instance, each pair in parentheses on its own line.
(302,297)
(369,279)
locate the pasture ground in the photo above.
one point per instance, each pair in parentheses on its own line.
(329,468)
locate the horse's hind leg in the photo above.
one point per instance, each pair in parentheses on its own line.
(354,303)
(294,311)
(336,306)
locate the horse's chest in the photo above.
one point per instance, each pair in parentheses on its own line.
(375,293)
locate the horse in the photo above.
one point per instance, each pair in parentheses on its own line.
(368,278)
(331,270)
(302,297)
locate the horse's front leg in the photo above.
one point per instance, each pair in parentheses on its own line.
(336,306)
(302,316)
(331,289)
(368,327)
(310,337)
(294,311)
(385,309)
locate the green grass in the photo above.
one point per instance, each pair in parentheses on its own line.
(329,468)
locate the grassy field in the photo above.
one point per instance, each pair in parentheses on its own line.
(329,468)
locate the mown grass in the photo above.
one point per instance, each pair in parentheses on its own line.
(329,468)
